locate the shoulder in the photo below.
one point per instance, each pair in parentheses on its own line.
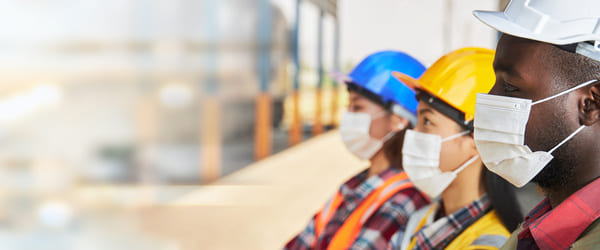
(488,241)
(512,241)
(590,238)
(490,230)
(399,207)
(490,224)
(487,232)
(408,196)
(404,202)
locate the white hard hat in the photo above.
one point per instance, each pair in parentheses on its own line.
(557,22)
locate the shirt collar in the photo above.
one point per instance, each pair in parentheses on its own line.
(561,226)
(437,233)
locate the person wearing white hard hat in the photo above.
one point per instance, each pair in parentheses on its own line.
(541,121)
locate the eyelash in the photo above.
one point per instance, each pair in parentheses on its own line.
(354,107)
(508,88)
(427,121)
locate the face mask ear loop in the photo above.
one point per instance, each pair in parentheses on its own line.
(452,137)
(564,92)
(459,169)
(567,139)
(388,136)
(391,133)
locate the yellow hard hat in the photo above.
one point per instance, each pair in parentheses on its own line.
(456,78)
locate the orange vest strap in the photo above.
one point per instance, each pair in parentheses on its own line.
(348,232)
(326,213)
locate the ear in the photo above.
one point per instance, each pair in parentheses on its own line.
(398,123)
(469,144)
(589,106)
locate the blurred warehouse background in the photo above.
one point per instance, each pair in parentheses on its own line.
(108,106)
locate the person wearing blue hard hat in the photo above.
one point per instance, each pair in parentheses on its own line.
(374,204)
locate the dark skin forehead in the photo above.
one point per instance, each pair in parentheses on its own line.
(521,69)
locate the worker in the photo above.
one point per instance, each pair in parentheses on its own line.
(474,209)
(371,206)
(539,122)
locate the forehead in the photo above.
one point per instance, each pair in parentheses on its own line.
(523,63)
(355,97)
(425,109)
(519,57)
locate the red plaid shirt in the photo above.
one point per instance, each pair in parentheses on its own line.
(390,218)
(559,228)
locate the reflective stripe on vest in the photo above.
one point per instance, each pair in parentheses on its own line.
(492,240)
(352,226)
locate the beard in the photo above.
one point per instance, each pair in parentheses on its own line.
(560,171)
(555,176)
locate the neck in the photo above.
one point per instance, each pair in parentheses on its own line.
(463,190)
(379,163)
(556,197)
(558,194)
(582,160)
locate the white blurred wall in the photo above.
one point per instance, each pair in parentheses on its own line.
(420,28)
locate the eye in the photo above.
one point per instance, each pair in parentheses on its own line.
(427,121)
(507,87)
(355,108)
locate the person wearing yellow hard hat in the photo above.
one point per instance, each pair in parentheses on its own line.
(473,208)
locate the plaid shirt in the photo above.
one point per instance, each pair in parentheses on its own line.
(558,228)
(379,228)
(441,232)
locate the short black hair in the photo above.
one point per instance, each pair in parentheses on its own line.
(571,68)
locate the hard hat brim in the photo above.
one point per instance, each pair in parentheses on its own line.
(499,21)
(407,80)
(416,85)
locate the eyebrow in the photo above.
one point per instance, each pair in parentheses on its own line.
(424,111)
(509,69)
(356,98)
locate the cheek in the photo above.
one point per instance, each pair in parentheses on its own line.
(536,129)
(379,128)
(450,156)
(548,126)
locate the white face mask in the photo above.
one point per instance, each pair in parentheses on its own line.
(354,129)
(500,124)
(421,161)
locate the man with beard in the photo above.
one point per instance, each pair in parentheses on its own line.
(540,121)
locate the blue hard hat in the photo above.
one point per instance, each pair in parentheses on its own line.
(373,79)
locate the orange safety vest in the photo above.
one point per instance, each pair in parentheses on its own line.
(348,232)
